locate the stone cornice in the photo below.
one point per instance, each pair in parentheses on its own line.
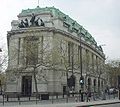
(54,30)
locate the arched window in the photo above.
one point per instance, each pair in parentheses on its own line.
(102,83)
(89,81)
(94,82)
(98,82)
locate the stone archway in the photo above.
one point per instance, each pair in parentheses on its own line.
(89,84)
(99,85)
(102,84)
(94,85)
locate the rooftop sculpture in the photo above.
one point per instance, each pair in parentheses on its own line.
(34,21)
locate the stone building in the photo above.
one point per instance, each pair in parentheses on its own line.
(47,51)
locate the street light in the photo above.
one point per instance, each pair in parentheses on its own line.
(81,77)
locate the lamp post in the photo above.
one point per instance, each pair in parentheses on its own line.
(81,77)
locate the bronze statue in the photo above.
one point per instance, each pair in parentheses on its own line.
(42,23)
(36,22)
(22,24)
(32,20)
(26,22)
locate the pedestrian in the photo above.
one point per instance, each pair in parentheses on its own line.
(89,96)
(86,94)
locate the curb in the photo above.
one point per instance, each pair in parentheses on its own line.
(88,105)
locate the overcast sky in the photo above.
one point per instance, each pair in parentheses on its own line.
(100,17)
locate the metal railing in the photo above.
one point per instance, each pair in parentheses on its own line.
(53,98)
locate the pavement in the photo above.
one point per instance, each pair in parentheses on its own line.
(73,104)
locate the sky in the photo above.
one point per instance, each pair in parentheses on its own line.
(101,18)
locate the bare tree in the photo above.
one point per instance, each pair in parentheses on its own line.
(3,60)
(113,71)
(3,66)
(37,54)
(34,52)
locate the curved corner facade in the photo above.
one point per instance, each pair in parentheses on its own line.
(48,55)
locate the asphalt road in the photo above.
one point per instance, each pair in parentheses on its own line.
(109,105)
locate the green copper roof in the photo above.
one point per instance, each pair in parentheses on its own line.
(38,10)
(72,24)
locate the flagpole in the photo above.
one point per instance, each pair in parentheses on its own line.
(38,2)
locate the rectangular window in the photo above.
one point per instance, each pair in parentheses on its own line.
(31,49)
(70,53)
(19,50)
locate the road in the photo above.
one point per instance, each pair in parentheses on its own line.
(109,105)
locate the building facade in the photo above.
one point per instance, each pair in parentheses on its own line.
(48,51)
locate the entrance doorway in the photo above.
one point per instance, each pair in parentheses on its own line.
(64,90)
(26,85)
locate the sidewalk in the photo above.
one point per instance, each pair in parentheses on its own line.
(77,104)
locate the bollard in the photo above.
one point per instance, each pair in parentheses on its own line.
(3,100)
(7,98)
(39,96)
(36,98)
(52,98)
(29,98)
(19,100)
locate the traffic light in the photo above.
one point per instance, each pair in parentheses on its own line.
(81,81)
